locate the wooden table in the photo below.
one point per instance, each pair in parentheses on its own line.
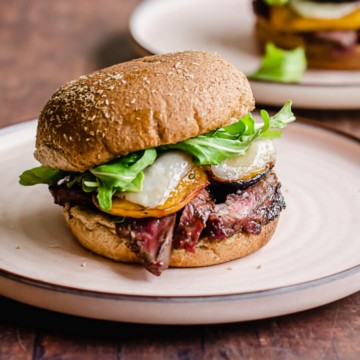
(46,43)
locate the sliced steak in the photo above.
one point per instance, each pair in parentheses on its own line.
(151,240)
(192,221)
(342,41)
(247,210)
(74,195)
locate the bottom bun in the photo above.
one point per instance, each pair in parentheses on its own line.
(96,232)
(319,55)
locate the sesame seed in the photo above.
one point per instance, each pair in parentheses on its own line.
(118,76)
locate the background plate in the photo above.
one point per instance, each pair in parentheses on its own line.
(313,258)
(226,26)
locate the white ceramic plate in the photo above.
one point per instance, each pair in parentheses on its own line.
(226,26)
(313,258)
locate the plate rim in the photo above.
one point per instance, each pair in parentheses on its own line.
(43,285)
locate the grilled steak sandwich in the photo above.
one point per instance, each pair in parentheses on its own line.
(158,161)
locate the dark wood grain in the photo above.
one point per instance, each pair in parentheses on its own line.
(46,43)
(328,332)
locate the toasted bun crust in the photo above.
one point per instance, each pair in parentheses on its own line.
(97,233)
(135,105)
(318,55)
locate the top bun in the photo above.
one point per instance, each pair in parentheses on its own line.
(143,103)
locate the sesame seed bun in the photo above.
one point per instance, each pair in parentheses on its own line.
(135,105)
(96,232)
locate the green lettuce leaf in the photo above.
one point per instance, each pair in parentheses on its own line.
(121,174)
(286,66)
(276,2)
(233,140)
(40,175)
